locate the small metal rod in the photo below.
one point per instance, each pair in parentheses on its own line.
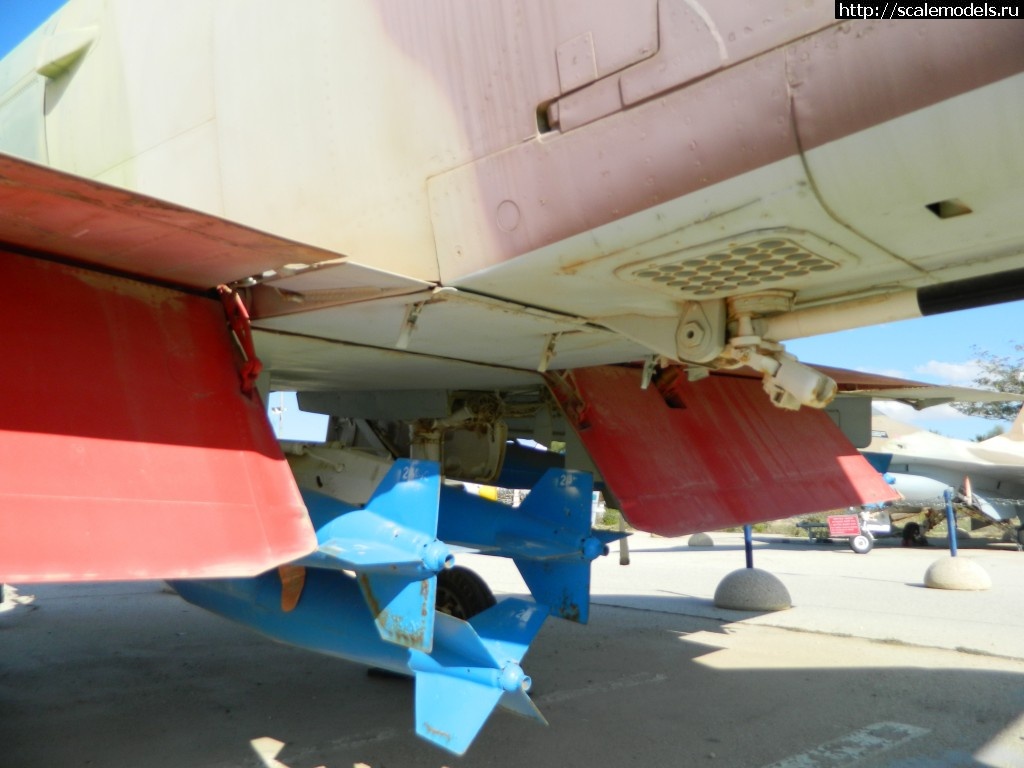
(950,521)
(748,544)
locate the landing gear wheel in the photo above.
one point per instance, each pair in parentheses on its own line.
(862,543)
(462,594)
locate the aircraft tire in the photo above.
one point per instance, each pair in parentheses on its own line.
(862,543)
(462,593)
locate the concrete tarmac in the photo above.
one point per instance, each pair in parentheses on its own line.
(869,669)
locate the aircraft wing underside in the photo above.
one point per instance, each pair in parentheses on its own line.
(448,225)
(136,424)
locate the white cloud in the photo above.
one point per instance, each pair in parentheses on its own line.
(943,419)
(955,374)
(892,409)
(905,413)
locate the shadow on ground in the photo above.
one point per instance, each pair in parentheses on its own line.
(100,678)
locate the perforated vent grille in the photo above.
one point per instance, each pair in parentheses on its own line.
(737,269)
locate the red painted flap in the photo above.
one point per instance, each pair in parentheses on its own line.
(689,456)
(127,449)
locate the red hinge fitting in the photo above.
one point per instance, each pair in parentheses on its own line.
(238,319)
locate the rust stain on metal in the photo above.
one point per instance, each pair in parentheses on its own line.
(568,609)
(563,387)
(435,732)
(151,295)
(392,625)
(371,599)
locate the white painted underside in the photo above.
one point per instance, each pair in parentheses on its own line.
(582,277)
(870,209)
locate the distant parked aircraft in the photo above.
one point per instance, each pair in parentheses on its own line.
(987,476)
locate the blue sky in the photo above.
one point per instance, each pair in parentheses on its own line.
(19,17)
(938,349)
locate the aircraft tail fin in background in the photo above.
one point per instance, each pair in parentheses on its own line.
(1016,431)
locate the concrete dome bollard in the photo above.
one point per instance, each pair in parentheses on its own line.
(701,540)
(956,573)
(752,589)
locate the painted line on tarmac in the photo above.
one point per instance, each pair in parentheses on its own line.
(641,678)
(871,740)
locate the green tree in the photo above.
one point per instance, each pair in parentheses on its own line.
(1001,373)
(996,431)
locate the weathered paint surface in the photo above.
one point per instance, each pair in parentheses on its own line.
(95,224)
(688,456)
